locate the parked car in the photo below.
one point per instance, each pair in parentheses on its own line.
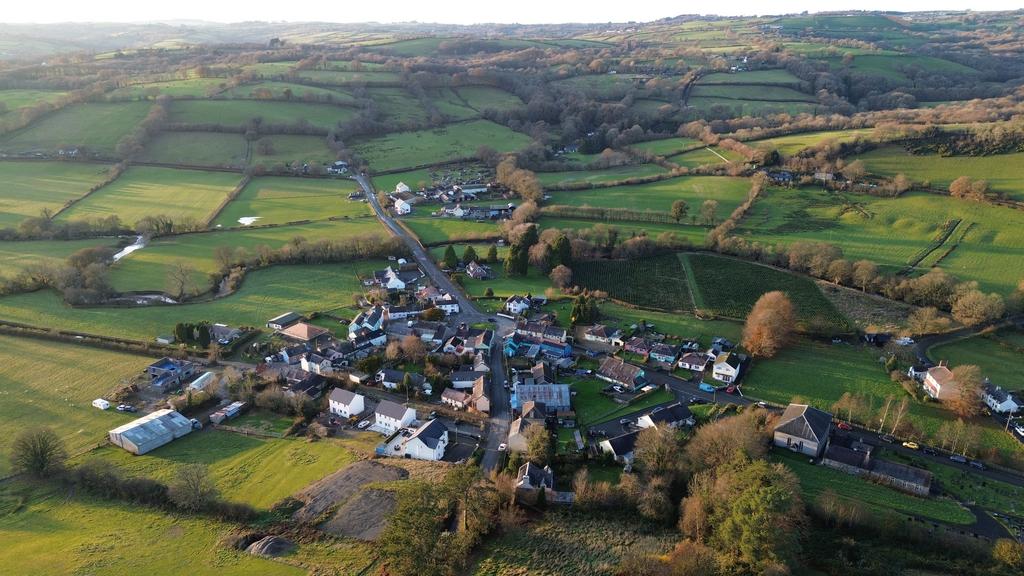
(363,425)
(978,464)
(502,447)
(762,404)
(126,408)
(695,400)
(844,426)
(958,459)
(905,341)
(912,445)
(1019,429)
(706,387)
(887,438)
(625,421)
(618,389)
(731,389)
(930,451)
(433,414)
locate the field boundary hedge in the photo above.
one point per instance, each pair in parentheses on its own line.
(139,347)
(425,166)
(947,230)
(573,186)
(246,179)
(178,166)
(113,174)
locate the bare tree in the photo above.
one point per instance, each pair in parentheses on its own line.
(192,488)
(38,452)
(179,279)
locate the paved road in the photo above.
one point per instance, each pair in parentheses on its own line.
(497,427)
(925,342)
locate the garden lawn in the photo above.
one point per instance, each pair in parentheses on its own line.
(411,149)
(619,173)
(57,534)
(30,187)
(589,403)
(277,200)
(146,191)
(1002,171)
(240,112)
(288,148)
(147,269)
(256,471)
(434,230)
(816,479)
(191,88)
(730,287)
(659,196)
(264,294)
(998,355)
(667,146)
(197,149)
(94,127)
(890,231)
(52,384)
(21,255)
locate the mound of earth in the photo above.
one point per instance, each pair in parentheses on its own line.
(270,547)
(364,516)
(342,485)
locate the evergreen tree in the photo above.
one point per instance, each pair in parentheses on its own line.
(469,255)
(180,333)
(529,238)
(492,254)
(450,260)
(562,253)
(511,260)
(203,335)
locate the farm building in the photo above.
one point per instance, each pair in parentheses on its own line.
(151,431)
(283,321)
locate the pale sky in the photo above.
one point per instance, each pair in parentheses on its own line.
(518,11)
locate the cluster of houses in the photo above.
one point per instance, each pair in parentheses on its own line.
(940,383)
(407,437)
(454,200)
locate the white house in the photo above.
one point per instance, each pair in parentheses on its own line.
(621,447)
(727,367)
(940,384)
(695,361)
(402,188)
(428,442)
(671,416)
(373,319)
(390,379)
(345,403)
(603,335)
(457,399)
(999,400)
(447,304)
(390,416)
(803,429)
(402,207)
(465,378)
(516,305)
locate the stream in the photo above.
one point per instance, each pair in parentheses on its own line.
(139,244)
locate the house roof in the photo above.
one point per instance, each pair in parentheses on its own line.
(803,421)
(662,349)
(548,394)
(623,445)
(693,358)
(542,373)
(304,332)
(398,376)
(602,331)
(942,375)
(519,426)
(516,298)
(620,371)
(391,409)
(342,396)
(430,433)
(638,344)
(286,318)
(455,395)
(536,475)
(466,375)
(671,413)
(997,393)
(729,359)
(534,409)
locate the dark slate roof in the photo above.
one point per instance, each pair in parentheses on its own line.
(398,376)
(430,433)
(342,396)
(286,318)
(671,413)
(622,445)
(391,409)
(615,369)
(534,409)
(466,375)
(997,393)
(803,421)
(538,476)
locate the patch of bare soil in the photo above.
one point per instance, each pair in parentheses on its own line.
(867,310)
(428,471)
(342,485)
(363,516)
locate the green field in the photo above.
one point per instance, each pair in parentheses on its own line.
(554,179)
(52,384)
(215,149)
(790,145)
(397,104)
(191,88)
(256,471)
(449,103)
(240,112)
(747,92)
(770,77)
(144,191)
(720,105)
(998,355)
(1002,171)
(432,230)
(30,187)
(343,78)
(277,200)
(890,231)
(706,157)
(288,148)
(147,269)
(817,479)
(664,282)
(12,99)
(265,294)
(283,89)
(659,196)
(96,128)
(626,230)
(54,534)
(730,288)
(410,149)
(893,66)
(667,146)
(21,255)
(487,98)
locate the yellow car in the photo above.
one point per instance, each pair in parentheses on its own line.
(911,445)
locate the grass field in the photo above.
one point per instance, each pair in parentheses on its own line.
(482,98)
(144,191)
(13,99)
(667,146)
(817,479)
(448,102)
(288,148)
(256,471)
(197,149)
(967,486)
(342,78)
(397,104)
(550,179)
(281,89)
(750,107)
(18,256)
(431,230)
(706,157)
(265,294)
(776,77)
(52,384)
(566,543)
(791,144)
(93,127)
(53,534)
(409,149)
(277,200)
(659,196)
(731,287)
(892,66)
(1001,170)
(240,112)
(30,187)
(664,281)
(891,231)
(746,92)
(147,269)
(626,230)
(998,355)
(191,88)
